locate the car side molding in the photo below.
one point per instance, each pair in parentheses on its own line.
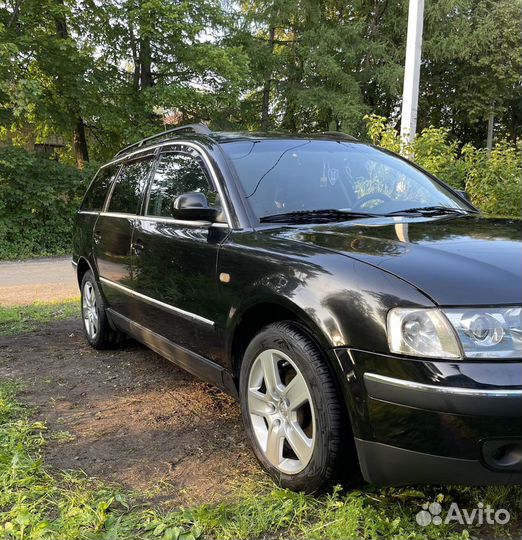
(158,303)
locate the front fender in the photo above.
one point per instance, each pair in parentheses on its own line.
(343,301)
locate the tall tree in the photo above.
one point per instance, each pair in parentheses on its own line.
(472,66)
(174,53)
(79,139)
(47,70)
(102,73)
(332,60)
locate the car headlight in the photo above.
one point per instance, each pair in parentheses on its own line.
(422,332)
(454,333)
(488,332)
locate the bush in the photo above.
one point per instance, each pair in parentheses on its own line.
(494,181)
(38,199)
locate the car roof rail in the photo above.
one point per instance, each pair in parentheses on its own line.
(200,129)
(340,134)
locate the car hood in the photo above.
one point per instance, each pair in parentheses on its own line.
(470,260)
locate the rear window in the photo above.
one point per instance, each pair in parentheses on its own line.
(97,192)
(131,182)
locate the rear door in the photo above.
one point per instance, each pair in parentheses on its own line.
(112,235)
(174,265)
(93,203)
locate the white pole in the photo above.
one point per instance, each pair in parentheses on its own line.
(410,94)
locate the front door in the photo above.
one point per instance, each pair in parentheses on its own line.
(174,265)
(112,234)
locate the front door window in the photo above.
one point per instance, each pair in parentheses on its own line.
(177,173)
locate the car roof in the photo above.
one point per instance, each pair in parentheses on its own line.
(198,131)
(232,136)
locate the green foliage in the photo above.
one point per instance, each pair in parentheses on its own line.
(103,74)
(493,180)
(35,504)
(38,198)
(332,62)
(17,319)
(324,66)
(472,67)
(116,67)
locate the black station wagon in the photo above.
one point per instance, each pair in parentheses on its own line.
(365,314)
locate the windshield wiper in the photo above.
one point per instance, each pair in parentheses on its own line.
(304,216)
(430,211)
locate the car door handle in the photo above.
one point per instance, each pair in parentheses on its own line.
(138,247)
(97,237)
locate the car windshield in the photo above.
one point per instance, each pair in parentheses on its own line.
(289,176)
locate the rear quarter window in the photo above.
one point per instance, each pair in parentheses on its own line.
(97,191)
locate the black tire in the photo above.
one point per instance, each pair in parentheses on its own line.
(328,413)
(104,337)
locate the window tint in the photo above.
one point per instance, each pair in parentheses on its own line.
(97,192)
(177,173)
(129,187)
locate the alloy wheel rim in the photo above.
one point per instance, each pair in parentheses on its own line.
(281,411)
(90,310)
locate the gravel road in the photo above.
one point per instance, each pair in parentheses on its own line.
(37,280)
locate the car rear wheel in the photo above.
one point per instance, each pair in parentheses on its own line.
(290,408)
(97,328)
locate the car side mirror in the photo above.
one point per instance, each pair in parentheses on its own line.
(193,207)
(464,194)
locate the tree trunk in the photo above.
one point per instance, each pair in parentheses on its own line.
(265,110)
(146,80)
(295,76)
(80,144)
(16,12)
(135,58)
(79,139)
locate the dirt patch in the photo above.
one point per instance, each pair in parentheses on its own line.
(25,295)
(136,419)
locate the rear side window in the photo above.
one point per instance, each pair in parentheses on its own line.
(129,187)
(97,192)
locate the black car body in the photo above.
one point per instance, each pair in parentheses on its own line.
(198,291)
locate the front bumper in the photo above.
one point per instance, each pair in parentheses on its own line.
(386,465)
(423,421)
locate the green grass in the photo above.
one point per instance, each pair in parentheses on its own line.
(37,503)
(17,319)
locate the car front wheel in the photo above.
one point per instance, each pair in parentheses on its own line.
(291,409)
